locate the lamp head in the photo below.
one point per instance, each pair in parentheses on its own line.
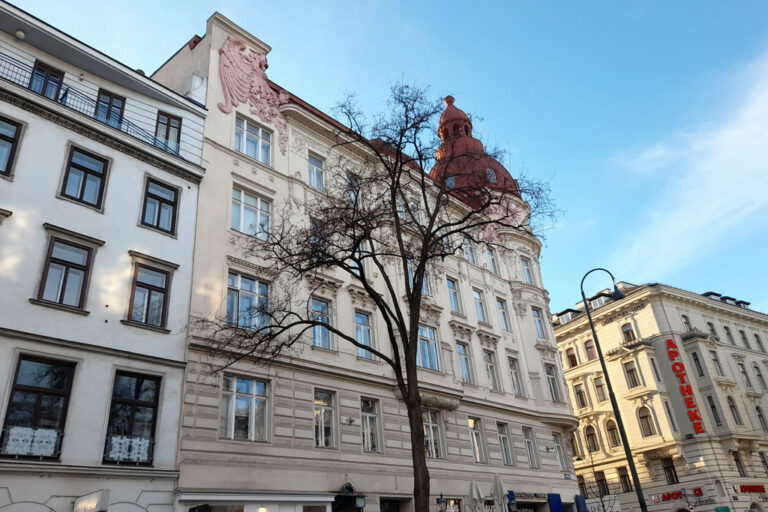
(617,294)
(442,503)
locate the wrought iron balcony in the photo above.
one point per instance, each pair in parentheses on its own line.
(31,442)
(20,73)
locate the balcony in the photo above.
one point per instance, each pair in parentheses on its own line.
(129,449)
(20,73)
(31,442)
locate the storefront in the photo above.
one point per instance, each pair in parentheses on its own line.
(254,502)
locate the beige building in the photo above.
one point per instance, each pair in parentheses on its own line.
(288,437)
(689,373)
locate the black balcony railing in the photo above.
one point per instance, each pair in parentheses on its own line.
(19,73)
(30,442)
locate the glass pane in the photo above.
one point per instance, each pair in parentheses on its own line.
(266,135)
(247,310)
(235,215)
(161,191)
(250,200)
(151,277)
(250,220)
(5,154)
(87,161)
(140,298)
(260,421)
(69,253)
(251,146)
(74,182)
(225,404)
(51,413)
(232,302)
(44,375)
(142,421)
(238,137)
(151,210)
(265,157)
(260,388)
(92,189)
(75,279)
(53,282)
(166,217)
(155,314)
(21,410)
(244,386)
(125,387)
(247,284)
(52,89)
(7,129)
(242,417)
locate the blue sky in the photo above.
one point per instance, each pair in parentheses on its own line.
(650,119)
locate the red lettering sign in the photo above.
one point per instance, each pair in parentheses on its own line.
(677,495)
(753,488)
(687,392)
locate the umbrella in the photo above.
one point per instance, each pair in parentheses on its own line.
(476,497)
(499,493)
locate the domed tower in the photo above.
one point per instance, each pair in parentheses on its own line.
(462,163)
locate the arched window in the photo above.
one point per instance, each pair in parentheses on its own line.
(734,411)
(628,332)
(761,418)
(687,323)
(613,433)
(591,437)
(646,422)
(589,347)
(570,354)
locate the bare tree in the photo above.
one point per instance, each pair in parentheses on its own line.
(601,495)
(397,201)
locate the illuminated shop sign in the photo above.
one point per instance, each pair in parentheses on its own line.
(685,388)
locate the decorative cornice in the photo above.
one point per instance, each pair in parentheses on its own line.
(324,283)
(89,240)
(461,330)
(360,296)
(488,338)
(259,269)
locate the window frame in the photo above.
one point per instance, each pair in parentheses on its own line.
(257,297)
(670,473)
(713,410)
(433,434)
(529,439)
(580,395)
(165,139)
(559,452)
(624,479)
(538,321)
(517,378)
(161,200)
(99,205)
(15,142)
(454,297)
(492,369)
(590,350)
(252,407)
(469,251)
(493,265)
(243,139)
(314,171)
(739,464)
(87,268)
(716,363)
(590,435)
(477,439)
(632,375)
(612,433)
(432,349)
(651,428)
(554,387)
(506,447)
(734,411)
(525,263)
(50,72)
(599,384)
(501,306)
(260,233)
(112,97)
(478,298)
(332,409)
(165,291)
(375,430)
(697,363)
(465,357)
(628,333)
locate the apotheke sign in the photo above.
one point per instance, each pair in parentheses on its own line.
(685,388)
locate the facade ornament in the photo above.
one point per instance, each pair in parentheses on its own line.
(244,80)
(324,284)
(488,338)
(359,296)
(461,331)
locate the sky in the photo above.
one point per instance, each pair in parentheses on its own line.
(649,120)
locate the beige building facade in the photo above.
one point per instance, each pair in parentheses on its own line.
(289,436)
(689,373)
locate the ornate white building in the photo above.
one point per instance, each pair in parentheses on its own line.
(99,174)
(690,374)
(288,437)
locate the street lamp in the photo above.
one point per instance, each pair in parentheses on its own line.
(442,503)
(616,295)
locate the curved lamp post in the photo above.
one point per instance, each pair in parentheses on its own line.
(616,295)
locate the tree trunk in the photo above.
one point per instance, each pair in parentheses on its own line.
(418,455)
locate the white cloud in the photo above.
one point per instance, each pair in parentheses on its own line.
(712,182)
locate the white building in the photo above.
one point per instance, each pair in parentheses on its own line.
(99,175)
(492,383)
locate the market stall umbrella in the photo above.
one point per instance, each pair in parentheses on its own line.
(476,497)
(499,493)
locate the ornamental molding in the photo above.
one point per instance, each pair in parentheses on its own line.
(260,270)
(323,283)
(434,401)
(95,135)
(242,72)
(624,312)
(487,338)
(461,331)
(360,296)
(431,312)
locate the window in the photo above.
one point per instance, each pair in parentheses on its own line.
(575,452)
(628,333)
(517,382)
(131,433)
(761,419)
(713,410)
(84,179)
(764,461)
(538,320)
(433,444)
(46,80)
(744,375)
(530,447)
(669,470)
(244,409)
(66,274)
(759,343)
(716,363)
(602,483)
(600,389)
(589,348)
(646,422)
(9,143)
(760,378)
(324,423)
(109,108)
(570,354)
(253,140)
(479,306)
(626,482)
(369,409)
(425,283)
(527,275)
(492,261)
(478,443)
(491,174)
(561,464)
(503,318)
(655,370)
(469,252)
(160,202)
(598,302)
(168,131)
(321,336)
(453,294)
(712,329)
(149,297)
(427,356)
(613,434)
(363,334)
(734,411)
(34,420)
(315,172)
(246,301)
(582,486)
(697,363)
(581,398)
(250,214)
(744,339)
(465,366)
(489,358)
(631,372)
(670,416)
(591,436)
(739,464)
(729,335)
(554,388)
(507,455)
(687,323)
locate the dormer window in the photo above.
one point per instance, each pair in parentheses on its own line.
(491,175)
